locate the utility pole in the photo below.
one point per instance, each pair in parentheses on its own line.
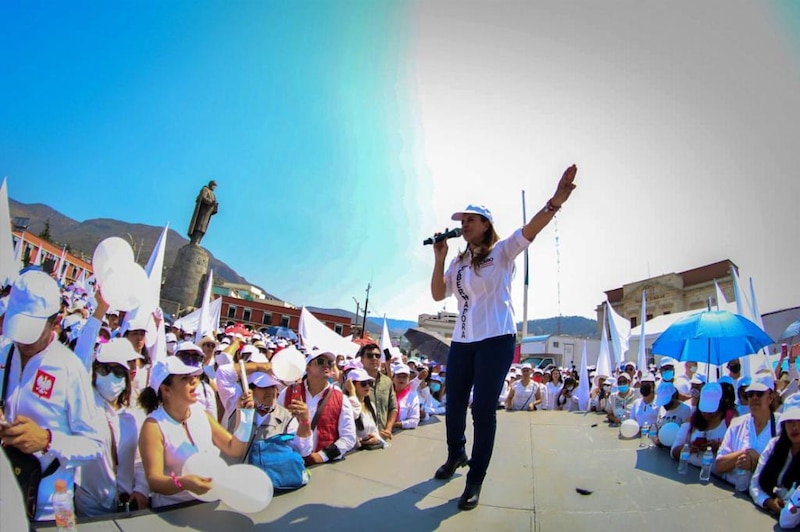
(364,322)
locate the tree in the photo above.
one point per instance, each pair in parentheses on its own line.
(45,234)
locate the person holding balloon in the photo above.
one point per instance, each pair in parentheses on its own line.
(178,427)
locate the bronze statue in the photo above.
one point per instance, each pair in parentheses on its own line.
(205,207)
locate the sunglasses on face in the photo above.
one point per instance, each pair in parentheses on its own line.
(190,359)
(322,361)
(116,369)
(367,384)
(753,393)
(372,355)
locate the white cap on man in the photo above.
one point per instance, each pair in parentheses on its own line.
(34,297)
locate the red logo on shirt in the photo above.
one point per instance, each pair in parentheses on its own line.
(43,384)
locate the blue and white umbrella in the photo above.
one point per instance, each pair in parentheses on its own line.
(714,337)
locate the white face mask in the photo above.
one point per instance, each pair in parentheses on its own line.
(109,386)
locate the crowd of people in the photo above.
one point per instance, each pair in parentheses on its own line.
(86,393)
(88,396)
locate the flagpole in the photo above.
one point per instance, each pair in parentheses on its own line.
(525,289)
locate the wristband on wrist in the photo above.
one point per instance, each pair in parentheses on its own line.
(304,422)
(549,207)
(176,481)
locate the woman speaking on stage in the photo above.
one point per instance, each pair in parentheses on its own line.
(484,337)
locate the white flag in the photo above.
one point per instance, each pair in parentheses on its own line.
(758,320)
(620,333)
(583,382)
(642,359)
(204,324)
(9,268)
(604,358)
(386,340)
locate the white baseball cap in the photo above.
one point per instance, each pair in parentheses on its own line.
(791,408)
(117,351)
(171,366)
(316,352)
(262,380)
(761,383)
(710,397)
(34,298)
(664,393)
(359,375)
(401,369)
(474,209)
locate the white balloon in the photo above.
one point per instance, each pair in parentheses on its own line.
(206,465)
(124,287)
(288,364)
(667,433)
(629,428)
(111,251)
(245,488)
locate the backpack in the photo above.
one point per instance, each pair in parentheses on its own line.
(283,465)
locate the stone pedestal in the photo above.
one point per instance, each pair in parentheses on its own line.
(186,279)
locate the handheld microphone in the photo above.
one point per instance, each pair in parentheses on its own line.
(452,233)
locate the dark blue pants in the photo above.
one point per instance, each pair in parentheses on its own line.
(481,366)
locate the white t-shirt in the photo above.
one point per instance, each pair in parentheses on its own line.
(644,412)
(484,298)
(687,435)
(680,415)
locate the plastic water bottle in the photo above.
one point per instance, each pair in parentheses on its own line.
(742,479)
(644,434)
(653,435)
(683,464)
(708,461)
(63,508)
(619,412)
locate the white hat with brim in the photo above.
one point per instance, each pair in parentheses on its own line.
(189,347)
(401,369)
(117,351)
(762,383)
(791,408)
(664,393)
(171,366)
(34,298)
(710,397)
(316,353)
(248,351)
(474,209)
(667,361)
(359,375)
(260,379)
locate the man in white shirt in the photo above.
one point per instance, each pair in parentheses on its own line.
(333,427)
(49,400)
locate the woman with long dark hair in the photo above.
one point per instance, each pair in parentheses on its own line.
(779,465)
(484,337)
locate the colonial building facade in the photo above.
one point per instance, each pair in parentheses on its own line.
(672,292)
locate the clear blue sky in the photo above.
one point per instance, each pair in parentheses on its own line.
(343,133)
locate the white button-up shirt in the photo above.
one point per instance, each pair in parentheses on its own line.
(347,424)
(484,297)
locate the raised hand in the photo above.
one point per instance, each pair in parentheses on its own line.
(565,186)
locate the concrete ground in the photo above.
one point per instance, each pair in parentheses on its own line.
(540,459)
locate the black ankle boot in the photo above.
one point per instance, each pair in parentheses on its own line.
(469,499)
(449,468)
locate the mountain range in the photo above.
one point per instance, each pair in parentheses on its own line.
(83,237)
